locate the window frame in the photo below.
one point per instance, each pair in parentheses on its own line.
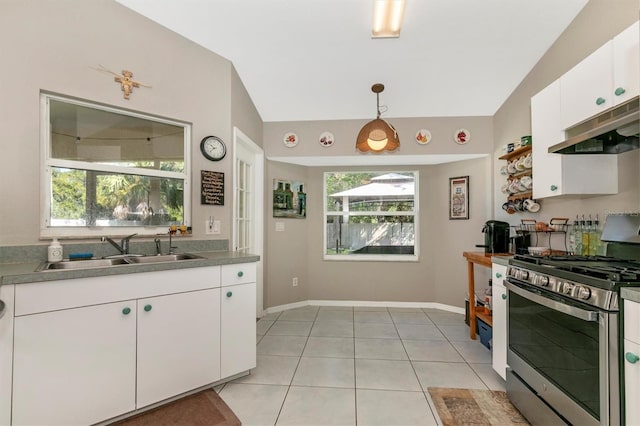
(47,163)
(415,257)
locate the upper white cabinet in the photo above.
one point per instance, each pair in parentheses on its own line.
(557,174)
(604,79)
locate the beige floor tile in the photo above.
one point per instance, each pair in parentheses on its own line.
(254,404)
(290,328)
(375,331)
(389,408)
(447,375)
(419,332)
(489,376)
(318,406)
(332,329)
(335,347)
(372,317)
(473,351)
(386,375)
(325,372)
(271,370)
(431,350)
(410,318)
(390,349)
(282,345)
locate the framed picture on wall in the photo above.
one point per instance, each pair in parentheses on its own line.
(459,197)
(289,199)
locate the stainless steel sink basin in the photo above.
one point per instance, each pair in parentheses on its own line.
(81,264)
(114,261)
(164,258)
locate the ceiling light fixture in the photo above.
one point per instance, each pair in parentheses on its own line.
(387,18)
(377,135)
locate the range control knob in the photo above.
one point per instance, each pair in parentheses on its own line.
(524,275)
(567,288)
(584,293)
(543,280)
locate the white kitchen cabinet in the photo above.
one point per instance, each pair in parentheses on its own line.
(74,366)
(238,319)
(499,328)
(86,350)
(178,344)
(557,174)
(631,362)
(602,80)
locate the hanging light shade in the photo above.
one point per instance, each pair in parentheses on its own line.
(377,135)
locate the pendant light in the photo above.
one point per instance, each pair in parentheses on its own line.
(377,135)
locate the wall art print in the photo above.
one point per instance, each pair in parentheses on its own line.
(289,199)
(459,197)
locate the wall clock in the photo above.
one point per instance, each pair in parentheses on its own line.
(213,148)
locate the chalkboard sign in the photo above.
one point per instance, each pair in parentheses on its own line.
(212,188)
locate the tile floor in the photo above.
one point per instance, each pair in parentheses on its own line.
(366,366)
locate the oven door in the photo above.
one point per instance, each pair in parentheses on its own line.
(565,352)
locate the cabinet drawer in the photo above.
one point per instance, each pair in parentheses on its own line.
(239,273)
(64,294)
(632,321)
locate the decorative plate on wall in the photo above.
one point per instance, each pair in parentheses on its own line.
(326,139)
(462,136)
(423,136)
(290,140)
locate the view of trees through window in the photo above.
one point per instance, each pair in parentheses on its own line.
(370,213)
(110,168)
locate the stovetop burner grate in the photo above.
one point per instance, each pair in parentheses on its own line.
(600,267)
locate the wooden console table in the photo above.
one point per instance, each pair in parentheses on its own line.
(484,259)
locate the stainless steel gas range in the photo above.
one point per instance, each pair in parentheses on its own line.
(564,325)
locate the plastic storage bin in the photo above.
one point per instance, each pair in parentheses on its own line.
(485,333)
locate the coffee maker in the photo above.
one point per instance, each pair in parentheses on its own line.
(496,237)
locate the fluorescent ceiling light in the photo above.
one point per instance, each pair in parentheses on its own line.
(387,18)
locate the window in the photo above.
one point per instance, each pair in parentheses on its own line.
(371,215)
(110,168)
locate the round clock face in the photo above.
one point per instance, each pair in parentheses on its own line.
(213,148)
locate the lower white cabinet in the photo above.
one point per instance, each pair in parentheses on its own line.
(90,349)
(499,328)
(238,318)
(75,366)
(178,344)
(631,362)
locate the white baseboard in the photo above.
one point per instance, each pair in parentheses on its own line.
(353,303)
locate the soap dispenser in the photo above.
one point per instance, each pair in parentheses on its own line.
(54,252)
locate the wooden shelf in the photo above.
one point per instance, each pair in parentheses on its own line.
(488,319)
(516,153)
(519,195)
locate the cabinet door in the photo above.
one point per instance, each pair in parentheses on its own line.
(178,344)
(626,64)
(499,336)
(238,340)
(632,321)
(587,88)
(556,174)
(632,382)
(75,366)
(546,130)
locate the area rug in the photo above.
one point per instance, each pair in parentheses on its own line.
(204,408)
(457,407)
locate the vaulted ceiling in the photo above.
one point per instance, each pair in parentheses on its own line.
(316,60)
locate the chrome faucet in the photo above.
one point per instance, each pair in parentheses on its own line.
(123,247)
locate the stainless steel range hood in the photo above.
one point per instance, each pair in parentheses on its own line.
(612,132)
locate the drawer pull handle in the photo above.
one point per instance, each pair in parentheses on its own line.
(147,308)
(504,297)
(600,101)
(126,311)
(631,357)
(498,275)
(240,274)
(229,294)
(619,91)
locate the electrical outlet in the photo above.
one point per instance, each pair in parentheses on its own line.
(216,227)
(295,281)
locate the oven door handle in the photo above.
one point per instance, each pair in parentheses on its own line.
(574,311)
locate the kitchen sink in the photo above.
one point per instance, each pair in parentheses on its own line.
(114,261)
(164,258)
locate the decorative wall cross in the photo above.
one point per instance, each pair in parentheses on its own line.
(126,82)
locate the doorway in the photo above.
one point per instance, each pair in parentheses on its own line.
(248,204)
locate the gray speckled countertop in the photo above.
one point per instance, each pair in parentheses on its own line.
(24,272)
(630,293)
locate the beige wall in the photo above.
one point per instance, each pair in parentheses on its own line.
(54,46)
(598,22)
(440,274)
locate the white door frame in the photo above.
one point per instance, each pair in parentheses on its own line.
(257,211)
